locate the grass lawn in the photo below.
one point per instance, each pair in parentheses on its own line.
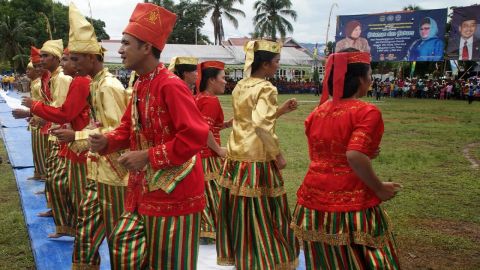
(15,252)
(436,215)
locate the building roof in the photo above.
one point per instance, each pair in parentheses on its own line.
(230,55)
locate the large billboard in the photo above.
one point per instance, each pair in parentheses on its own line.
(464,36)
(395,36)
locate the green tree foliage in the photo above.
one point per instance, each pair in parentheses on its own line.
(37,19)
(12,36)
(270,18)
(190,17)
(219,8)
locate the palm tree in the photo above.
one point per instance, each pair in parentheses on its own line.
(270,18)
(12,37)
(219,7)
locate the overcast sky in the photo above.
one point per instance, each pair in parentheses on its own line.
(311,24)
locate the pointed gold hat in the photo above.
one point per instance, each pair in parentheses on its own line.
(81,37)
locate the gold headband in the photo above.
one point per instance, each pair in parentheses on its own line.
(257,45)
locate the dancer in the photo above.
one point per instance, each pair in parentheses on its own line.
(164,130)
(253,219)
(185,68)
(338,215)
(211,82)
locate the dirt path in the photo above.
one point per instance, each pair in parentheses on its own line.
(467,152)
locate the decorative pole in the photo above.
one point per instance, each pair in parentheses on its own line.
(327,51)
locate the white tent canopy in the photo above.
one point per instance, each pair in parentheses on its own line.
(230,55)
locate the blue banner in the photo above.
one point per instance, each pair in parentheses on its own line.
(395,36)
(464,36)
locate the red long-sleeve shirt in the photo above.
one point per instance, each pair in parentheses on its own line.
(175,132)
(212,112)
(74,111)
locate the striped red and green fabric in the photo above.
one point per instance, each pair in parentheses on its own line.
(211,169)
(58,191)
(254,231)
(149,242)
(77,180)
(39,143)
(100,210)
(346,240)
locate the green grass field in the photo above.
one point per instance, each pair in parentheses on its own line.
(436,216)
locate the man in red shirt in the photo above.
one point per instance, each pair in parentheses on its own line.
(164,130)
(74,114)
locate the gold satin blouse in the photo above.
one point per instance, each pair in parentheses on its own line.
(253,135)
(36,95)
(59,85)
(35,88)
(108,101)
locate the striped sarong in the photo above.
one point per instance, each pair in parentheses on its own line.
(253,229)
(346,240)
(149,242)
(100,209)
(211,169)
(56,186)
(77,180)
(39,143)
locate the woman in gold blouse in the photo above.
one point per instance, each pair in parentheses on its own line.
(253,220)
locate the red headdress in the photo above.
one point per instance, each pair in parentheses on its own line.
(339,62)
(151,23)
(208,64)
(35,55)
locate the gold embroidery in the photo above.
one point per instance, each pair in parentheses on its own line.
(79,146)
(153,17)
(287,265)
(238,190)
(167,179)
(360,238)
(82,266)
(208,234)
(211,176)
(172,207)
(65,230)
(224,261)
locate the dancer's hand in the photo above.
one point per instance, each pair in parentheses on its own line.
(97,142)
(222,152)
(134,160)
(64,135)
(288,106)
(281,162)
(20,114)
(27,102)
(388,190)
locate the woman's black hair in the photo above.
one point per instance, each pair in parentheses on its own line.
(208,73)
(354,72)
(182,68)
(261,57)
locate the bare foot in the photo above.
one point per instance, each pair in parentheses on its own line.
(45,214)
(56,235)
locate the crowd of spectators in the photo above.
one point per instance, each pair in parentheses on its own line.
(468,89)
